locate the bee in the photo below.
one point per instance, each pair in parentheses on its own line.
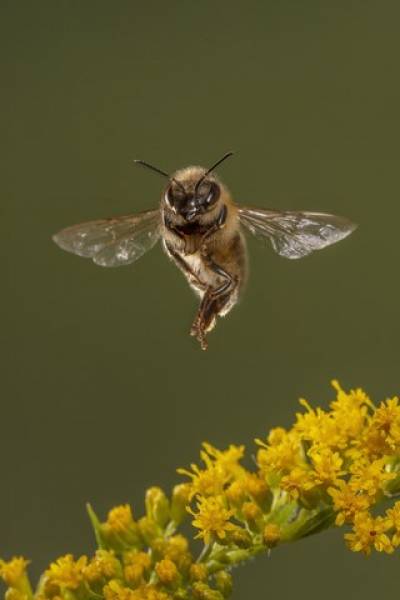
(202,232)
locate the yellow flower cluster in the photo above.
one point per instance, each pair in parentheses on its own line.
(331,468)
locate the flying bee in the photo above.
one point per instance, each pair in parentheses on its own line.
(202,232)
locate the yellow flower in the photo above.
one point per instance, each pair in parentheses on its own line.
(167,571)
(206,482)
(327,465)
(370,445)
(393,514)
(13,571)
(212,518)
(319,427)
(386,421)
(66,572)
(347,502)
(221,467)
(381,434)
(343,460)
(368,533)
(387,414)
(228,459)
(284,453)
(350,411)
(369,477)
(298,481)
(276,436)
(345,402)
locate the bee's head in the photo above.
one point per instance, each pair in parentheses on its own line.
(192,191)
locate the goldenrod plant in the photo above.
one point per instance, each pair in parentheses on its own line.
(333,468)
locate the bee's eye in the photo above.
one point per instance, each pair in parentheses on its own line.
(208,192)
(173,195)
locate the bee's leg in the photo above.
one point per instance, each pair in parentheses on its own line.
(208,313)
(213,302)
(184,267)
(214,299)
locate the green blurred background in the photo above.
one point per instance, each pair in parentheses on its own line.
(103,391)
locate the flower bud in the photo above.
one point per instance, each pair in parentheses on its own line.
(149,530)
(167,572)
(223,581)
(241,538)
(157,506)
(198,572)
(104,565)
(236,494)
(202,591)
(120,531)
(237,556)
(271,534)
(14,594)
(136,567)
(252,513)
(179,502)
(257,488)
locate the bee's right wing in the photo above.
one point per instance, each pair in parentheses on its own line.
(295,234)
(112,242)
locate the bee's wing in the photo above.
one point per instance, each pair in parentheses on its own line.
(295,234)
(112,242)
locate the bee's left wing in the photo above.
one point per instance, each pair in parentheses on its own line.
(295,234)
(112,242)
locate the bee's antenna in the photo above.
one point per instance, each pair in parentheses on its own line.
(157,170)
(227,155)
